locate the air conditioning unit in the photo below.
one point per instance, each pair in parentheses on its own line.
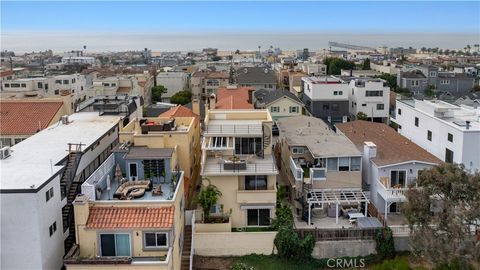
(64,119)
(5,152)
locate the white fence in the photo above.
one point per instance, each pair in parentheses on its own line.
(98,177)
(296,171)
(233,243)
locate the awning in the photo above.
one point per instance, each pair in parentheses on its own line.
(337,196)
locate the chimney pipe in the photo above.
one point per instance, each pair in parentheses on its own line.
(468,124)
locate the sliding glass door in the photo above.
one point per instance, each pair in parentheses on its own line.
(117,244)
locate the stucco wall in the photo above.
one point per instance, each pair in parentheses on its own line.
(233,243)
(334,249)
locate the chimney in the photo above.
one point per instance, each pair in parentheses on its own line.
(81,209)
(369,150)
(212,101)
(196,106)
(467,124)
(250,96)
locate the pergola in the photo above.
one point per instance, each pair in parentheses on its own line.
(338,197)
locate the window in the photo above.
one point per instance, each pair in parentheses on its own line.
(274,109)
(215,209)
(248,146)
(5,142)
(24,85)
(355,164)
(416,121)
(40,85)
(380,107)
(340,93)
(255,182)
(433,74)
(335,93)
(429,135)
(218,142)
(113,84)
(73,80)
(293,109)
(332,164)
(7,85)
(258,217)
(56,92)
(298,150)
(46,86)
(65,81)
(326,107)
(364,105)
(58,81)
(374,93)
(344,164)
(117,244)
(18,140)
(448,155)
(15,85)
(334,107)
(450,137)
(399,111)
(49,194)
(444,82)
(155,240)
(53,228)
(415,83)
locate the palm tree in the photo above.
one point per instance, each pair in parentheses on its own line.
(423,49)
(468,47)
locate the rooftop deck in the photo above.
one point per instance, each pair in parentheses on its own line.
(225,127)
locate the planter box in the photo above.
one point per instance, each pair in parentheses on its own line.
(214,227)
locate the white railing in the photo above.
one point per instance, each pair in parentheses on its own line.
(98,178)
(233,129)
(192,241)
(400,230)
(392,194)
(296,171)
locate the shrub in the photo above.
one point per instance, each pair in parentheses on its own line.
(397,264)
(384,243)
(241,266)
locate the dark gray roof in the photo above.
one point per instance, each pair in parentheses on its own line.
(255,75)
(268,97)
(455,75)
(416,74)
(137,152)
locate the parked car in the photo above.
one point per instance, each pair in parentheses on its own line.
(275,130)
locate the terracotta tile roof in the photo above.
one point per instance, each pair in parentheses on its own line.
(124,90)
(392,148)
(17,117)
(130,217)
(178,111)
(236,98)
(6,73)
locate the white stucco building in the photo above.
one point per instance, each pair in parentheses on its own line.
(173,81)
(370,96)
(449,132)
(39,180)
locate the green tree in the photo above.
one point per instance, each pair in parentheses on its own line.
(429,91)
(182,97)
(391,80)
(335,65)
(366,64)
(362,116)
(157,92)
(443,212)
(207,198)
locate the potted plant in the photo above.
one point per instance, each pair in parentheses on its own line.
(207,198)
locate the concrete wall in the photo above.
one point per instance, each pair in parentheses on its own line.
(351,248)
(402,243)
(234,243)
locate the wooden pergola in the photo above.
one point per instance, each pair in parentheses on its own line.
(338,197)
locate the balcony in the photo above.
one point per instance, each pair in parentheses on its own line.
(257,196)
(297,170)
(239,165)
(220,128)
(392,193)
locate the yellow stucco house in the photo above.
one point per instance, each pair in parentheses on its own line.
(237,159)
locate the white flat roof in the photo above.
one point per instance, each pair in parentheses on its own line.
(30,161)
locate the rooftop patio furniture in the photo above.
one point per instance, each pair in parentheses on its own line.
(137,192)
(125,188)
(157,191)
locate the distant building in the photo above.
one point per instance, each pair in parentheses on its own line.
(256,77)
(326,97)
(371,97)
(173,81)
(280,103)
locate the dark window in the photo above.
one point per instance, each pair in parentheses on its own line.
(156,240)
(380,107)
(334,107)
(450,137)
(107,242)
(49,194)
(343,164)
(255,182)
(326,107)
(40,85)
(416,121)
(448,155)
(53,228)
(115,244)
(258,217)
(399,111)
(429,135)
(248,146)
(65,81)
(364,105)
(374,93)
(46,86)
(57,92)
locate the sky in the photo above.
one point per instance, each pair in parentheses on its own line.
(117,25)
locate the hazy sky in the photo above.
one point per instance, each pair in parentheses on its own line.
(102,26)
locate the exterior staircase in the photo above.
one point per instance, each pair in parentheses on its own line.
(187,244)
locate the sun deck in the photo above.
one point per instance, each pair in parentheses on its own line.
(250,165)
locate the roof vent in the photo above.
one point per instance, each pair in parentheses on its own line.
(65,120)
(5,152)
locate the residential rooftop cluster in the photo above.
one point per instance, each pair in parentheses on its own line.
(104,155)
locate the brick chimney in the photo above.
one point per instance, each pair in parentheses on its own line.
(196,106)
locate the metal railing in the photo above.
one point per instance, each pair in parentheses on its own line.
(192,250)
(240,167)
(339,234)
(234,129)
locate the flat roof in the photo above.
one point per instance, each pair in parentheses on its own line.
(317,136)
(32,161)
(323,80)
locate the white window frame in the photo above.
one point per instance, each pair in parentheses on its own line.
(49,194)
(298,150)
(293,109)
(274,109)
(156,246)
